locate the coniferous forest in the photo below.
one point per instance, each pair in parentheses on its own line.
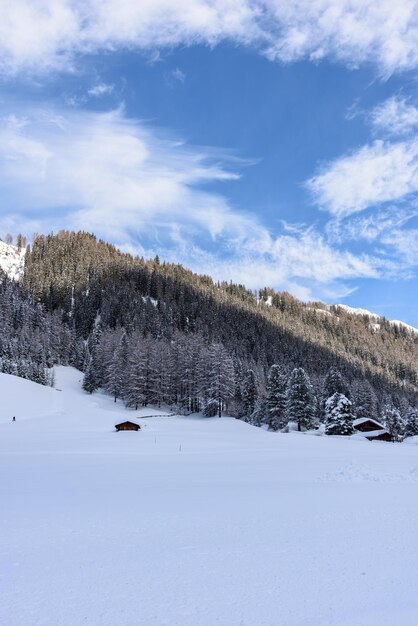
(155,333)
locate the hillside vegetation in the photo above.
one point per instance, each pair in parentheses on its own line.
(84,277)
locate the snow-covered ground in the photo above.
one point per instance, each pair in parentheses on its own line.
(195,521)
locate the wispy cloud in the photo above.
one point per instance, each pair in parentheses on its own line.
(374,174)
(100,89)
(178,75)
(127,182)
(174,76)
(404,244)
(50,34)
(355,32)
(373,226)
(394,116)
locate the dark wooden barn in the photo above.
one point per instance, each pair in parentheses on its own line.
(373,430)
(127,426)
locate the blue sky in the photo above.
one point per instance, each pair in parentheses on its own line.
(268,143)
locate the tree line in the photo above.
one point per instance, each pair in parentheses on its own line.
(189,374)
(185,341)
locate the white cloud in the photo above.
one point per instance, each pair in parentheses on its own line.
(371,227)
(178,75)
(404,244)
(48,34)
(100,89)
(376,173)
(353,32)
(174,76)
(394,117)
(127,183)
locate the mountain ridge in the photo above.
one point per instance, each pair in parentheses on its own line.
(84,275)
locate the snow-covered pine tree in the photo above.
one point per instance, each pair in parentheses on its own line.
(333,383)
(134,393)
(115,370)
(90,383)
(392,420)
(411,423)
(339,415)
(249,393)
(276,397)
(300,400)
(211,408)
(235,406)
(365,400)
(220,376)
(260,414)
(160,380)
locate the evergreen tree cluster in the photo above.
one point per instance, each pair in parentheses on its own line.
(32,340)
(86,278)
(186,372)
(155,333)
(189,374)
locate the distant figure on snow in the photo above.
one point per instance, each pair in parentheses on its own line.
(13,419)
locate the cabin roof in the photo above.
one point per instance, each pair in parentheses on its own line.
(376,433)
(364,420)
(127,422)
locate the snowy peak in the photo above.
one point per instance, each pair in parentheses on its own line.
(375,316)
(412,329)
(12,261)
(354,311)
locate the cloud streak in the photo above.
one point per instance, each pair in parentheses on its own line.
(51,34)
(394,116)
(126,182)
(374,174)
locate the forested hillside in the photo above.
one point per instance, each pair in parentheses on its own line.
(155,332)
(83,276)
(32,340)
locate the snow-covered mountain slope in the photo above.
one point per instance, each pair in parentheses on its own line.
(25,400)
(195,520)
(355,311)
(375,316)
(412,329)
(12,261)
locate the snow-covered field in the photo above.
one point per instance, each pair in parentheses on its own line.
(195,521)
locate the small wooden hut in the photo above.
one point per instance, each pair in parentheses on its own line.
(127,426)
(373,430)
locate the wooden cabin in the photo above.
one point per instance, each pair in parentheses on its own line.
(127,426)
(373,430)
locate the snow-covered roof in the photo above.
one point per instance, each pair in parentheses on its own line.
(376,433)
(363,420)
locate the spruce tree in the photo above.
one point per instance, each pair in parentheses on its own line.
(249,393)
(90,380)
(211,408)
(220,376)
(333,383)
(392,421)
(411,423)
(300,400)
(134,393)
(276,397)
(260,414)
(339,415)
(115,370)
(365,400)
